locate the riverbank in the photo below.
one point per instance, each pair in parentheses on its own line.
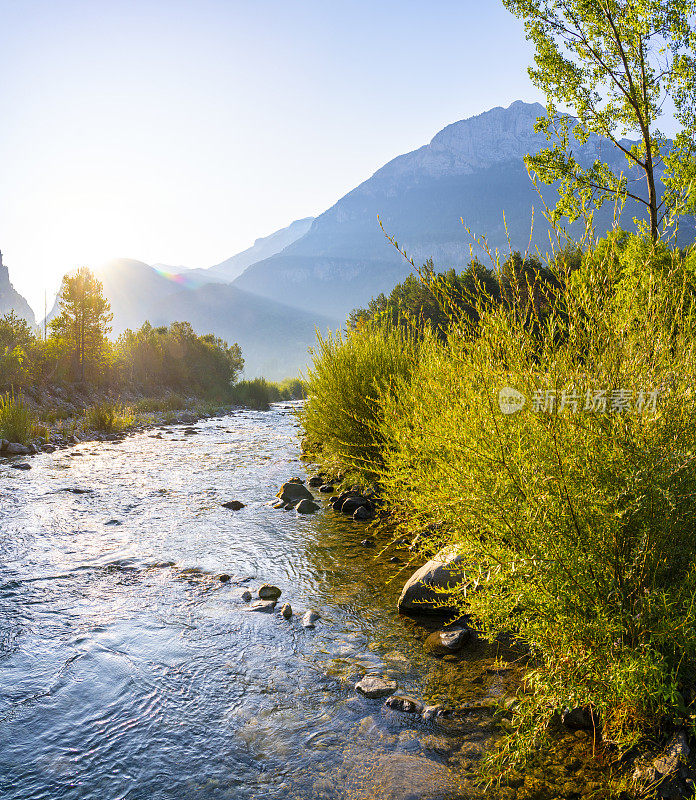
(65,416)
(572,759)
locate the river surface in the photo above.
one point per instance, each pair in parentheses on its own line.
(129,671)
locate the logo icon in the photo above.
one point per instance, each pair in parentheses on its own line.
(510,401)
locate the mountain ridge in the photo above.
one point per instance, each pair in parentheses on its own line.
(472,169)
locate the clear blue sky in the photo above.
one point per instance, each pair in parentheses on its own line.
(178,131)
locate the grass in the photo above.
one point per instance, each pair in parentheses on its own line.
(108,417)
(16,419)
(576,525)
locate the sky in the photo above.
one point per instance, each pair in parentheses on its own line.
(177,131)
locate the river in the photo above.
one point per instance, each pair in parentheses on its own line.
(129,671)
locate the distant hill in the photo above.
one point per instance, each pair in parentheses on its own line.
(265,247)
(472,169)
(274,337)
(11,299)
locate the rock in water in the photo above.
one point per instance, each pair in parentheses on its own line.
(233,505)
(224,577)
(362,513)
(373,686)
(21,466)
(246,596)
(407,705)
(419,595)
(292,492)
(265,606)
(306,507)
(309,618)
(286,611)
(443,643)
(316,480)
(326,488)
(269,592)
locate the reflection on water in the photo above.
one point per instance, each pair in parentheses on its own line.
(128,670)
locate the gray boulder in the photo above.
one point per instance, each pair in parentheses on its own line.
(292,492)
(269,592)
(307,507)
(419,595)
(16,449)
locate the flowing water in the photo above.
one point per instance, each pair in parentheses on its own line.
(128,670)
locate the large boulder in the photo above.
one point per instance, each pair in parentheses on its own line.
(419,595)
(16,449)
(307,507)
(292,492)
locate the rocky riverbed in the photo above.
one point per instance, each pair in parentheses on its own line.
(166,633)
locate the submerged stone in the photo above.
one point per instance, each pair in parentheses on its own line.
(373,686)
(405,704)
(443,643)
(264,606)
(233,505)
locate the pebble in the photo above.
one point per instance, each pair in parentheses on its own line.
(286,611)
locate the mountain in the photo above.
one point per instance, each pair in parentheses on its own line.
(472,169)
(265,247)
(11,299)
(274,337)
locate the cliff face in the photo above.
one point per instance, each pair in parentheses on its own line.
(11,299)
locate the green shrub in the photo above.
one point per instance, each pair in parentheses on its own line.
(292,389)
(16,419)
(576,528)
(108,417)
(257,393)
(349,374)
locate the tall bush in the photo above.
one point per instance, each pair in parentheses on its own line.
(575,515)
(349,374)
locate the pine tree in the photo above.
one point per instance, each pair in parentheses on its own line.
(83,323)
